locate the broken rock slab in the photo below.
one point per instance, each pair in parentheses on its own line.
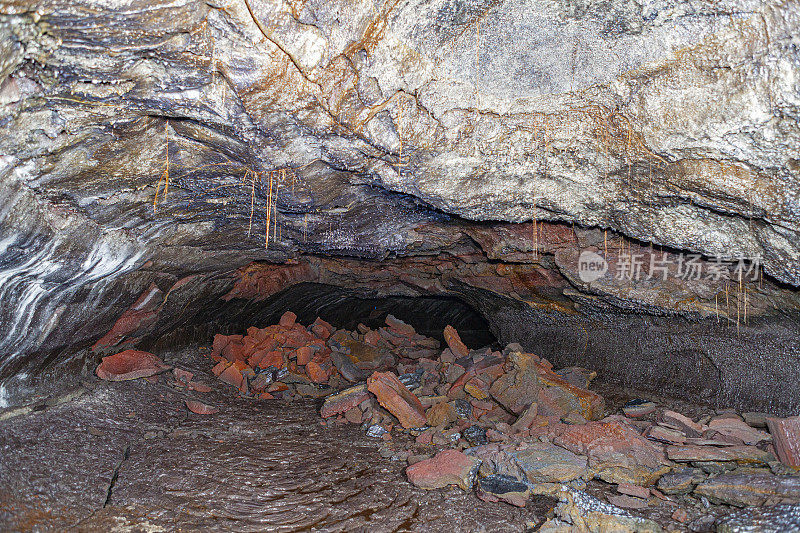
(200,408)
(343,401)
(534,462)
(519,386)
(454,342)
(616,451)
(130,364)
(735,430)
(497,487)
(397,399)
(448,467)
(740,454)
(786,436)
(751,489)
(578,511)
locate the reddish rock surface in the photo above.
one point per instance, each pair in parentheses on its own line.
(689,427)
(232,376)
(287,319)
(304,355)
(130,364)
(454,342)
(200,408)
(142,314)
(316,372)
(786,436)
(449,467)
(397,399)
(183,375)
(616,451)
(400,327)
(740,454)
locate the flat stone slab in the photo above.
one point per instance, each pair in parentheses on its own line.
(751,489)
(740,454)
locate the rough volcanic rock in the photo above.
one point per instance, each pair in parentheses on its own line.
(617,453)
(454,342)
(519,386)
(786,434)
(448,467)
(578,511)
(740,454)
(130,364)
(342,401)
(397,399)
(749,489)
(156,142)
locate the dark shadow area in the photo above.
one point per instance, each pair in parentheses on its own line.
(343,308)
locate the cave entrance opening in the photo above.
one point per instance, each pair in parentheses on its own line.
(343,308)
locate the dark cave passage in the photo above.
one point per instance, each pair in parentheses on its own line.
(341,307)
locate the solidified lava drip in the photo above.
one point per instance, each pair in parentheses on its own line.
(381,266)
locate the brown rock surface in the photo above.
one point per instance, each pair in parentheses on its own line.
(751,489)
(397,399)
(342,401)
(454,342)
(449,467)
(130,364)
(616,452)
(786,435)
(200,408)
(740,454)
(519,387)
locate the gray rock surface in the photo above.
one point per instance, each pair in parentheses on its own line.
(159,141)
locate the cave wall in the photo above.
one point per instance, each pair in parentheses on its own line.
(150,152)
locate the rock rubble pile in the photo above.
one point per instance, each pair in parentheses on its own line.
(506,424)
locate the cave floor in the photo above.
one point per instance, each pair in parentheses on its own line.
(128,456)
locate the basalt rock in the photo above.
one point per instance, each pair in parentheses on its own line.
(164,158)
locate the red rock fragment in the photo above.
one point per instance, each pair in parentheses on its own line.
(304,355)
(786,438)
(135,320)
(277,387)
(288,319)
(400,327)
(317,373)
(397,399)
(321,329)
(448,467)
(372,337)
(220,367)
(199,387)
(130,364)
(633,490)
(689,427)
(232,376)
(274,359)
(200,408)
(680,515)
(453,340)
